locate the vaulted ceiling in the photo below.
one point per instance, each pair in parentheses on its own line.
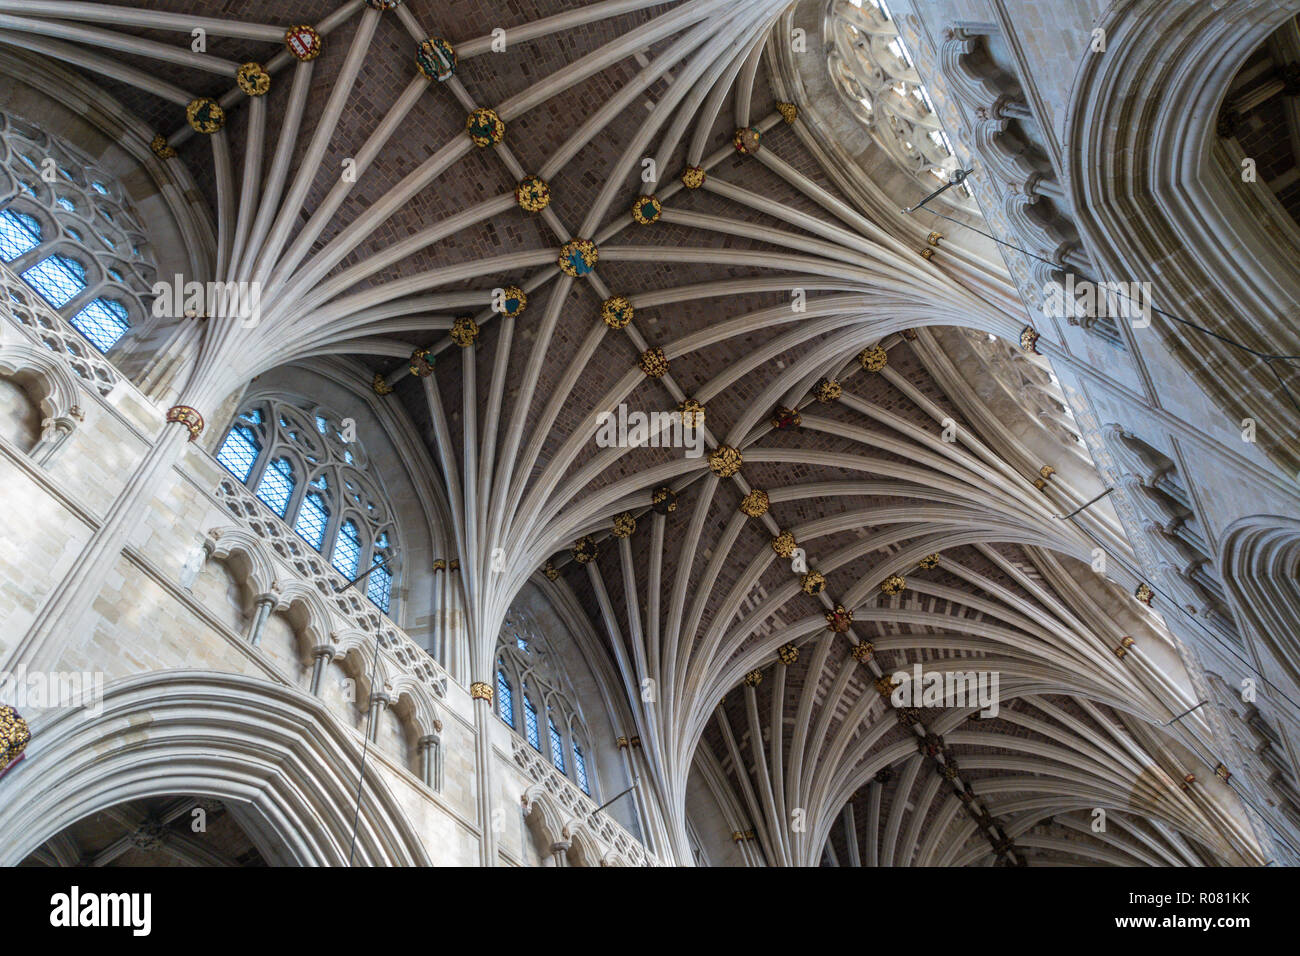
(759,285)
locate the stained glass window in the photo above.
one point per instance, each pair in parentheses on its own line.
(63,273)
(505,699)
(313,516)
(877,75)
(347,550)
(276,486)
(580,768)
(380,586)
(19,233)
(58,279)
(557,745)
(342,512)
(530,724)
(103,322)
(239,452)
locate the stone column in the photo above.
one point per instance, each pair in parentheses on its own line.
(378,704)
(481,692)
(264,604)
(321,656)
(649,838)
(431,758)
(560,851)
(438,642)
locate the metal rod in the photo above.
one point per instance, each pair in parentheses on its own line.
(612,799)
(374,567)
(1186,712)
(957,179)
(1087,505)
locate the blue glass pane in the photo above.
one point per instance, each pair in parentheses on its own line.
(530,724)
(347,550)
(505,699)
(58,279)
(580,768)
(276,486)
(103,322)
(557,746)
(322,425)
(18,234)
(313,516)
(379,587)
(67,204)
(99,188)
(239,452)
(253,415)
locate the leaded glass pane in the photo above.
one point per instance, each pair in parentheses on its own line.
(276,486)
(580,768)
(239,452)
(505,699)
(530,724)
(19,233)
(103,322)
(58,279)
(347,550)
(557,745)
(313,516)
(380,586)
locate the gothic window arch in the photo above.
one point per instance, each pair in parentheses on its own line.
(70,232)
(535,698)
(530,723)
(874,72)
(505,697)
(293,456)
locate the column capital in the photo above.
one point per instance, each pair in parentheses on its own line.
(480,690)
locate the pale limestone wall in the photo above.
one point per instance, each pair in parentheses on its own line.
(20,419)
(710,825)
(1146,390)
(143,620)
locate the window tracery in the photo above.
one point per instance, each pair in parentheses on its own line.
(549,718)
(297,463)
(69,231)
(874,72)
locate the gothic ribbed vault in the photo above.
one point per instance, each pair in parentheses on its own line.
(847,407)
